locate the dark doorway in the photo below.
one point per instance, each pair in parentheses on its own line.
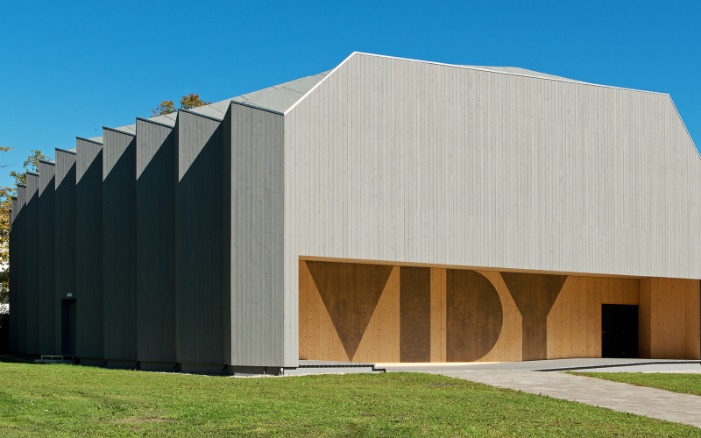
(68,327)
(619,330)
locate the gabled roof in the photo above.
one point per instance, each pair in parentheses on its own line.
(277,98)
(283,97)
(521,72)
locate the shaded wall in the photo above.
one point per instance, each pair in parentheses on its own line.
(202,274)
(118,235)
(156,175)
(65,235)
(46,265)
(15,288)
(31,271)
(19,289)
(88,220)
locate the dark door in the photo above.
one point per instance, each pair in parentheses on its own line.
(68,327)
(619,330)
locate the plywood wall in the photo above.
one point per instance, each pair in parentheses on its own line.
(380,313)
(669,313)
(574,322)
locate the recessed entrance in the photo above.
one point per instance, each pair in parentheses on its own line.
(619,330)
(68,327)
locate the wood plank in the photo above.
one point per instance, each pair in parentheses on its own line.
(318,339)
(381,340)
(415,308)
(438,315)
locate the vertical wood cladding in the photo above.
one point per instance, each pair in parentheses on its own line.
(155,241)
(119,245)
(367,312)
(438,315)
(413,162)
(350,293)
(31,257)
(670,319)
(64,233)
(574,321)
(88,223)
(48,305)
(534,295)
(415,311)
(475,317)
(202,303)
(260,326)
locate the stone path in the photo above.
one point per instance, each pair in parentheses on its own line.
(622,397)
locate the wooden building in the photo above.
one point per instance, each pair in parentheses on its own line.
(388,210)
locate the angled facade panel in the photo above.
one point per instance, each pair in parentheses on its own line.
(19,266)
(256,211)
(31,257)
(46,266)
(119,246)
(155,243)
(65,247)
(201,301)
(89,298)
(15,290)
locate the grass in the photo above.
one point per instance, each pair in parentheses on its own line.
(62,400)
(684,383)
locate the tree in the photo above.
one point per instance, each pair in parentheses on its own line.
(6,194)
(191,100)
(165,107)
(188,101)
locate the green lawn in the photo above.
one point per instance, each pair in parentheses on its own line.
(54,400)
(684,383)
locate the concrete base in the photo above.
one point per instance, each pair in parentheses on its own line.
(122,364)
(171,367)
(91,361)
(207,369)
(253,371)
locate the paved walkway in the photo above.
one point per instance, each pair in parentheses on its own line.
(655,403)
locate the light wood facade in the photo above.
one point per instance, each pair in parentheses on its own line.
(374,313)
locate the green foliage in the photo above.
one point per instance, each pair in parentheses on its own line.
(188,101)
(192,100)
(165,107)
(62,400)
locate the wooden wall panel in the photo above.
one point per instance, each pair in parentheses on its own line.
(476,319)
(448,315)
(438,315)
(674,319)
(318,339)
(415,310)
(534,295)
(381,341)
(509,346)
(692,316)
(574,322)
(645,318)
(350,293)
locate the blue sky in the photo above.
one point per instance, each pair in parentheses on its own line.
(68,68)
